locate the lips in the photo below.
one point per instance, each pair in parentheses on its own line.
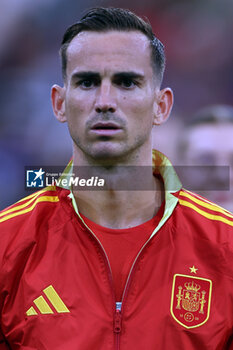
(106,129)
(105,126)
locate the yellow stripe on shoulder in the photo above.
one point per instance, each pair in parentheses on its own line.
(36,194)
(205,214)
(205,200)
(28,199)
(52,199)
(206,204)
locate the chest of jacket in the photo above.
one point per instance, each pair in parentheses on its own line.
(60,293)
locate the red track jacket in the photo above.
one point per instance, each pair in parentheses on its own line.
(56,289)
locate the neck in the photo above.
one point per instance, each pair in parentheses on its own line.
(131,195)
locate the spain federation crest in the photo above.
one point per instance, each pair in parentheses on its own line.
(191,300)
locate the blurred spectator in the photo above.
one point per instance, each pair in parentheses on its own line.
(207,140)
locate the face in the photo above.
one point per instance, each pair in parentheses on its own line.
(111,98)
(212,144)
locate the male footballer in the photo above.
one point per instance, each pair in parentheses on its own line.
(115,269)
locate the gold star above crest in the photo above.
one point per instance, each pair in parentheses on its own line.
(193,269)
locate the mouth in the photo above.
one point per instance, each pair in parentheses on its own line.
(106,128)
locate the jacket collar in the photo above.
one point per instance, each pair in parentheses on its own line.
(161,166)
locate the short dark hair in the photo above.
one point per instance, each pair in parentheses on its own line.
(212,114)
(105,19)
(208,115)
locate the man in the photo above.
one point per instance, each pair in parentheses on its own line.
(115,269)
(208,141)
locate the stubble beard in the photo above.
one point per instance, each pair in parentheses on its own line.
(109,152)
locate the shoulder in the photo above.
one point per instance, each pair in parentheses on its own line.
(204,207)
(25,225)
(206,231)
(201,213)
(36,213)
(26,207)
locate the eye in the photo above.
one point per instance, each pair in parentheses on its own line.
(87,83)
(126,83)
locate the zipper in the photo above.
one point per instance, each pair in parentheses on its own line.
(117,321)
(117,326)
(118,306)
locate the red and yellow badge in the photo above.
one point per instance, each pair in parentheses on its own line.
(191,299)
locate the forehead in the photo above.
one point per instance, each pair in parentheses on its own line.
(125,50)
(211,138)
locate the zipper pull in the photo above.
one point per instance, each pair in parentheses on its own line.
(117,321)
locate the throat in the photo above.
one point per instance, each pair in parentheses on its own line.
(120,209)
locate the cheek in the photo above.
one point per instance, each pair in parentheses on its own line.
(74,104)
(76,109)
(142,113)
(141,103)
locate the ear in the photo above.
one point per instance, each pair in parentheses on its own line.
(58,102)
(163,106)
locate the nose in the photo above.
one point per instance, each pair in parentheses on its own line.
(105,98)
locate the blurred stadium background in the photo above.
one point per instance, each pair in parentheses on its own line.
(198,40)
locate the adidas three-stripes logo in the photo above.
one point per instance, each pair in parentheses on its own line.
(45,307)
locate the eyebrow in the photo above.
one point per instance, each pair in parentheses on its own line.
(96,75)
(85,75)
(129,75)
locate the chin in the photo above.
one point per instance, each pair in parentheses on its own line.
(108,152)
(106,156)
